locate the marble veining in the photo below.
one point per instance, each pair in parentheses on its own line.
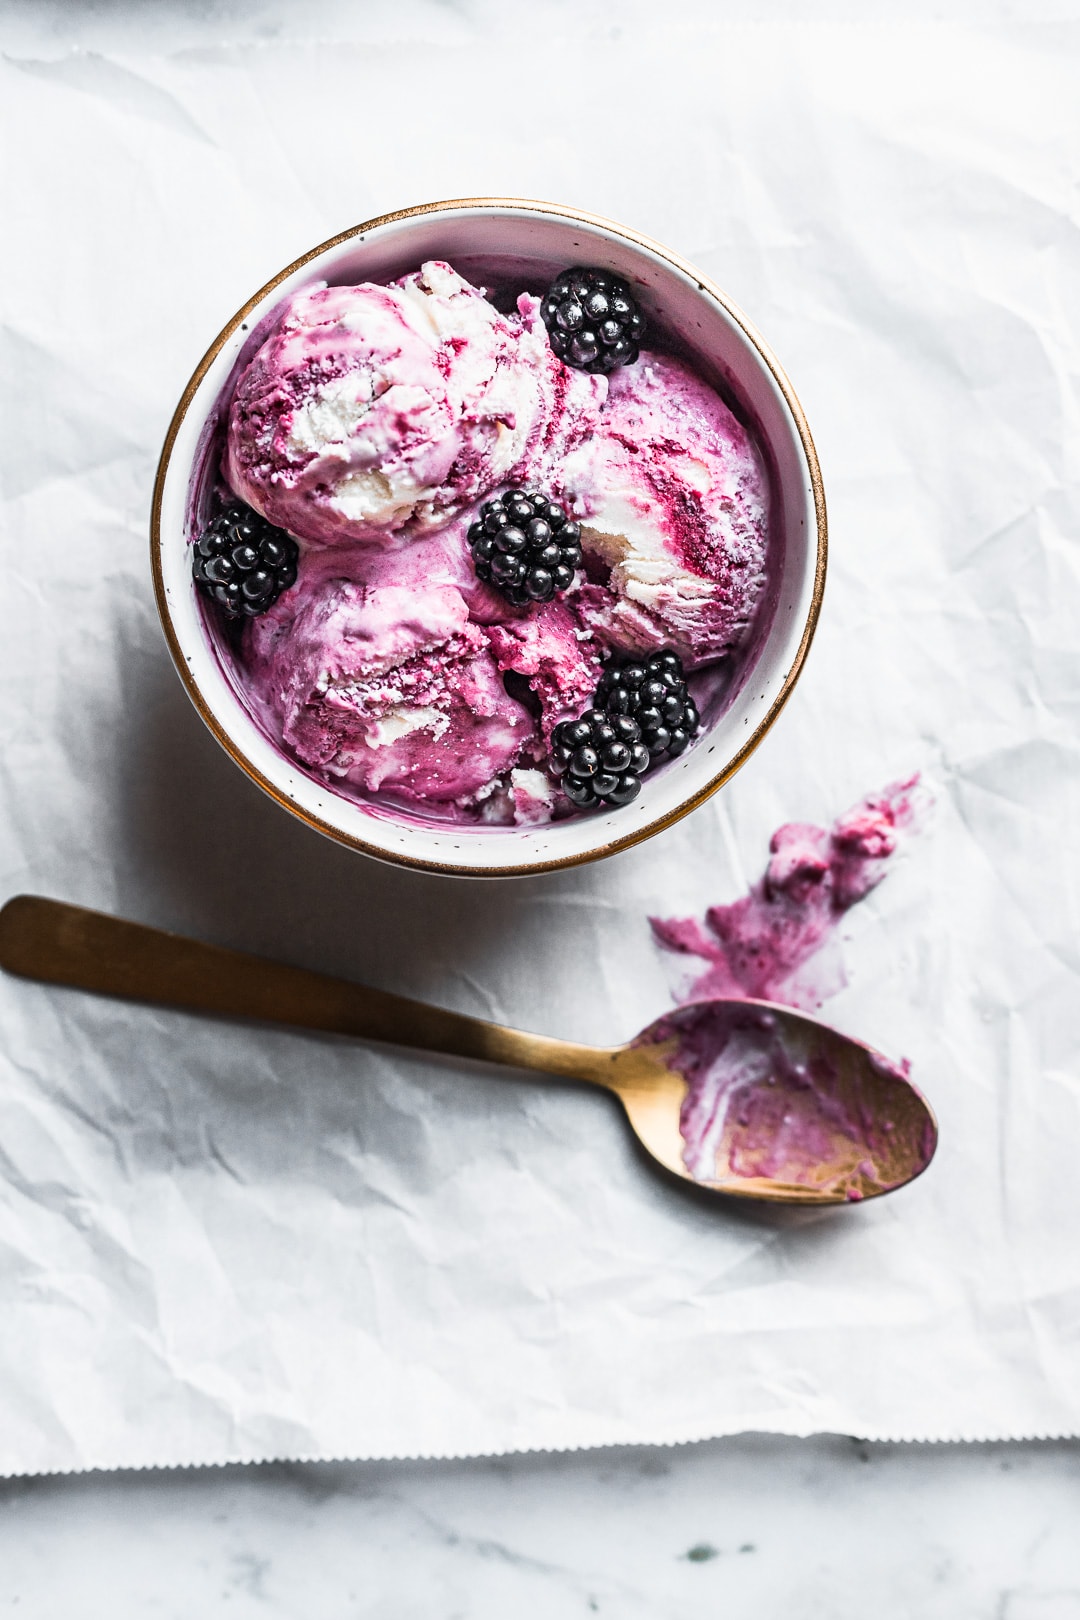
(752,1525)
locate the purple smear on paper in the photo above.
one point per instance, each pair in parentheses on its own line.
(772,944)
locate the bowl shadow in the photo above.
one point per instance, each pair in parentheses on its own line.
(219,859)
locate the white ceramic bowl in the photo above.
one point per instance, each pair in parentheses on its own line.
(532,240)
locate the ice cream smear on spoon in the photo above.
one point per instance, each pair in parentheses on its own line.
(775,1097)
(429,523)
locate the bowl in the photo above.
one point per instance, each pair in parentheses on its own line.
(531,241)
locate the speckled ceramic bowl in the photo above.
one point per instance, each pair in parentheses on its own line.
(531,241)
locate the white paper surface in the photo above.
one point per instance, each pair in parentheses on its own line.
(221,1243)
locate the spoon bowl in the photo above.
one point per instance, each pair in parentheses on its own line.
(769,1103)
(742,1098)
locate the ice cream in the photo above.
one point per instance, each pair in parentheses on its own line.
(386,685)
(370,424)
(786,1099)
(753,1101)
(372,408)
(674,498)
(775,942)
(553,656)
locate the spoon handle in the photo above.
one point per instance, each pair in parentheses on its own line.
(88,950)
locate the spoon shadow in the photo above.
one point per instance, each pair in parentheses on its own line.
(215,857)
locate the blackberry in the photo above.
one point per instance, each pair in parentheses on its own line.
(599,758)
(243,562)
(526,546)
(593,319)
(641,710)
(653,693)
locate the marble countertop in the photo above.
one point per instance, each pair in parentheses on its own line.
(813,1530)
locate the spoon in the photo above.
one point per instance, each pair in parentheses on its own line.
(740,1097)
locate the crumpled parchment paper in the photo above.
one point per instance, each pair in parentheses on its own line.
(222,1243)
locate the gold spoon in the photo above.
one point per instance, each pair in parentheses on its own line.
(775,1105)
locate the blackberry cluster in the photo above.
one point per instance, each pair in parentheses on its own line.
(600,757)
(641,711)
(526,546)
(594,322)
(652,692)
(243,562)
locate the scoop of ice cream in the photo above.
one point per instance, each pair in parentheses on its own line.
(371,408)
(674,499)
(384,683)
